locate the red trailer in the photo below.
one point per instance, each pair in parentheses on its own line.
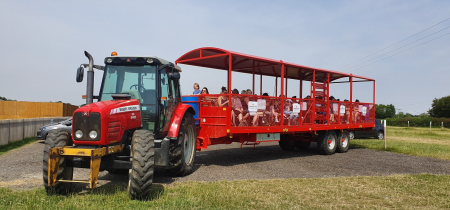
(294,122)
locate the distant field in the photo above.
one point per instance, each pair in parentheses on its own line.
(396,192)
(412,141)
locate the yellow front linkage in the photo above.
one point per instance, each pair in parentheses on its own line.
(69,151)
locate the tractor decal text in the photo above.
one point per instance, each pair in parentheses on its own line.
(125,109)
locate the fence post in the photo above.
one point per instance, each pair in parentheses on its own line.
(408,123)
(430,125)
(442,125)
(384,134)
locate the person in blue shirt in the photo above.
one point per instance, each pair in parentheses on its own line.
(196,89)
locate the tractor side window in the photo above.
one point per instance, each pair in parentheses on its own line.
(166,99)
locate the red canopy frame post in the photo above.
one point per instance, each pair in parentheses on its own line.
(281,91)
(276,86)
(351,98)
(230,68)
(253,69)
(313,86)
(374,101)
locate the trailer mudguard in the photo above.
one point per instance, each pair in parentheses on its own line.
(177,118)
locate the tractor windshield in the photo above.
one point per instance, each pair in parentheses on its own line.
(138,81)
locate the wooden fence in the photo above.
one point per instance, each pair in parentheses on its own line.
(22,109)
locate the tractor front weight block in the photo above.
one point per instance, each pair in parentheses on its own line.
(95,156)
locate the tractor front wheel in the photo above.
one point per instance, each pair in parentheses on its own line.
(140,177)
(57,138)
(182,152)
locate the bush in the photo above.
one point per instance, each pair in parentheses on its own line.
(418,122)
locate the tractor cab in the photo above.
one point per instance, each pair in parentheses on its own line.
(153,81)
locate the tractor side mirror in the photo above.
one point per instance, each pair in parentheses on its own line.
(174,75)
(80,74)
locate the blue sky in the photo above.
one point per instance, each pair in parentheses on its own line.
(42,43)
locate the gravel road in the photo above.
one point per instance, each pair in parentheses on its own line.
(22,168)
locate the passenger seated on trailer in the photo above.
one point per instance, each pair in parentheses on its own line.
(205,91)
(274,109)
(244,102)
(332,109)
(356,114)
(244,92)
(236,107)
(347,115)
(261,109)
(223,99)
(287,111)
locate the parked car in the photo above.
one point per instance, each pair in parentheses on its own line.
(42,132)
(377,132)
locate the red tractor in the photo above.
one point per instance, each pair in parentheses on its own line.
(139,122)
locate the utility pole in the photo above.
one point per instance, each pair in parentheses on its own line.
(398,114)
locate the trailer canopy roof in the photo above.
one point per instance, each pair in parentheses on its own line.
(218,59)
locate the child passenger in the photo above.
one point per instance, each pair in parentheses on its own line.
(196,89)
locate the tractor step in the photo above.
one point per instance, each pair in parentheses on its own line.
(75,181)
(95,155)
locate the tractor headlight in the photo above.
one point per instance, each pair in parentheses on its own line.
(109,60)
(79,134)
(93,134)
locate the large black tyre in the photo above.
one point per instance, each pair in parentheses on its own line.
(286,143)
(380,135)
(343,142)
(351,135)
(326,143)
(140,176)
(57,138)
(182,151)
(303,145)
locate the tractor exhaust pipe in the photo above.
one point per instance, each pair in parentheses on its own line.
(90,79)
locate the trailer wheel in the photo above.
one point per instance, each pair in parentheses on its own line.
(57,138)
(140,177)
(380,135)
(303,145)
(182,152)
(286,143)
(326,143)
(351,134)
(343,142)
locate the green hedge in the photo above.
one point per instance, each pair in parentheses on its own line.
(418,122)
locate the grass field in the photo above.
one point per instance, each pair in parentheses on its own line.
(412,141)
(422,191)
(399,192)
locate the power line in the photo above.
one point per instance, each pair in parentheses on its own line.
(403,51)
(395,43)
(398,48)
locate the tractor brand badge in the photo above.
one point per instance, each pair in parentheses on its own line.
(125,109)
(85,114)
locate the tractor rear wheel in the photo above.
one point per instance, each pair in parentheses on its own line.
(140,177)
(182,152)
(57,138)
(326,143)
(343,142)
(286,143)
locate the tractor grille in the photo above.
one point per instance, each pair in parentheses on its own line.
(86,124)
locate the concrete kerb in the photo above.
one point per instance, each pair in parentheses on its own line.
(15,130)
(4,132)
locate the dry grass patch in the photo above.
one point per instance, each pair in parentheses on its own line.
(398,192)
